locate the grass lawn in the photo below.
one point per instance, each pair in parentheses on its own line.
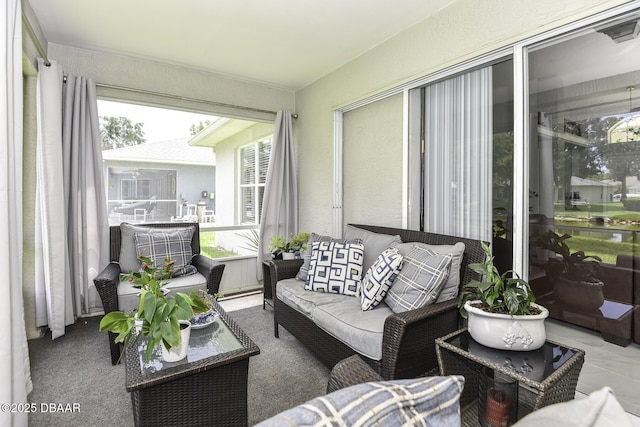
(614,210)
(606,250)
(208,248)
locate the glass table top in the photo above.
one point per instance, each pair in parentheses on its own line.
(536,365)
(209,341)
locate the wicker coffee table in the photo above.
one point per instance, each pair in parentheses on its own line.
(545,376)
(208,388)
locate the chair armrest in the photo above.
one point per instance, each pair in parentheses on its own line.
(107,286)
(618,282)
(211,269)
(408,342)
(351,371)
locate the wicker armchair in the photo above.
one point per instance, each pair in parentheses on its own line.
(107,281)
(351,371)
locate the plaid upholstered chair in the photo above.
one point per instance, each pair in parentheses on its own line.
(178,241)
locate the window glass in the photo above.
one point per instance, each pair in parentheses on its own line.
(164,165)
(254,161)
(583,174)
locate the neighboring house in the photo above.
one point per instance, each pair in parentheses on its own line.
(242,150)
(157,178)
(235,143)
(585,190)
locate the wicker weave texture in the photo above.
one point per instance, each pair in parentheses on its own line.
(559,386)
(351,371)
(408,348)
(208,392)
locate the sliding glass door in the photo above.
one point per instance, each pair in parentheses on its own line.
(584,163)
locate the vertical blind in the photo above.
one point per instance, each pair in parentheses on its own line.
(457,161)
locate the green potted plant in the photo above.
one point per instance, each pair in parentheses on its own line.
(280,247)
(501,309)
(575,276)
(158,318)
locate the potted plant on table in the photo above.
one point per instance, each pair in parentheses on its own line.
(501,309)
(280,247)
(574,275)
(162,320)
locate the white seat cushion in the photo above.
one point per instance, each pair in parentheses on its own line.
(292,292)
(128,299)
(360,330)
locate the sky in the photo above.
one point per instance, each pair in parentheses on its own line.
(159,124)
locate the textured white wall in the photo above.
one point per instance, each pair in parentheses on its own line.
(169,79)
(373,140)
(464,30)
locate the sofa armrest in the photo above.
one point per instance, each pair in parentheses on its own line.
(408,343)
(107,286)
(280,269)
(284,269)
(351,371)
(211,269)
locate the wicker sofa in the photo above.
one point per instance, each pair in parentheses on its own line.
(408,347)
(209,274)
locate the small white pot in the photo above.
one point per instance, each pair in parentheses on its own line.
(178,353)
(506,332)
(288,255)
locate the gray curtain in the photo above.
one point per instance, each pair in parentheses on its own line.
(71,216)
(280,202)
(85,198)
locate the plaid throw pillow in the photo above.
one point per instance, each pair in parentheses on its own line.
(425,401)
(160,245)
(379,277)
(420,281)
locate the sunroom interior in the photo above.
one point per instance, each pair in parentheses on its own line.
(540,98)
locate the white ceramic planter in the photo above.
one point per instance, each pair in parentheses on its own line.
(506,332)
(178,353)
(288,255)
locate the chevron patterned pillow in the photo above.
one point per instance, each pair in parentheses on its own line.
(379,277)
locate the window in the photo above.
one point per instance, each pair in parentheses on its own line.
(254,164)
(164,165)
(462,140)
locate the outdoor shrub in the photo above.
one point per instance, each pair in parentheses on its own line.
(631,204)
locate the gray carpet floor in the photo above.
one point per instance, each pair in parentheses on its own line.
(76,369)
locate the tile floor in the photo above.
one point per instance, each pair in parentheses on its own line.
(605,363)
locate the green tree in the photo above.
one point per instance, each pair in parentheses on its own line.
(118,132)
(619,159)
(194,129)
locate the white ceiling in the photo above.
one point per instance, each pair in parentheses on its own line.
(285,43)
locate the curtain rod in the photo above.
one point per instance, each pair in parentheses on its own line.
(34,39)
(183,98)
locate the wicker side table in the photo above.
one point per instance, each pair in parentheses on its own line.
(545,376)
(208,388)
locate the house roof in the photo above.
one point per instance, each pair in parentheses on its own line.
(224,129)
(585,182)
(174,151)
